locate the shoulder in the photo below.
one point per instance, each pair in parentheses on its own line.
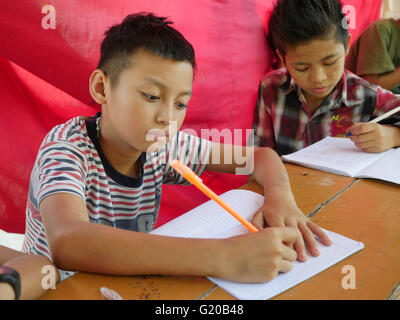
(275,78)
(359,89)
(383,28)
(73,131)
(355,82)
(70,136)
(386,25)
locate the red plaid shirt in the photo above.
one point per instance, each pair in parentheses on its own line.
(283,121)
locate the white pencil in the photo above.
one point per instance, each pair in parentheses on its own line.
(380,118)
(385,115)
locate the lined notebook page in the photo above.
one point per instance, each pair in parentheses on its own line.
(209,220)
(385,168)
(336,155)
(341,248)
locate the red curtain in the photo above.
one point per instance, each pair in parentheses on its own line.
(44,74)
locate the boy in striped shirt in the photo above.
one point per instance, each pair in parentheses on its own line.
(96,184)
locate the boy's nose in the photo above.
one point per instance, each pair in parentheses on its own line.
(165,114)
(317,76)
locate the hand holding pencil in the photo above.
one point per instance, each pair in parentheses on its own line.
(373,137)
(261,262)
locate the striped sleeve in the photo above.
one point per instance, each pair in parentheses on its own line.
(193,151)
(61,167)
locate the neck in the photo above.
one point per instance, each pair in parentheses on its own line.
(313,103)
(121,156)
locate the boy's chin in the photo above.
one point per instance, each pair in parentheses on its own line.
(320,95)
(155,146)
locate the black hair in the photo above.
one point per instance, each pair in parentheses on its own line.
(295,22)
(142,31)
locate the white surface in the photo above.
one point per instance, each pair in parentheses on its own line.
(209,220)
(11,240)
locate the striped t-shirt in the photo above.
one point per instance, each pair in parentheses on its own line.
(70,160)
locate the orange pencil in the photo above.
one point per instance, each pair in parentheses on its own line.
(189,175)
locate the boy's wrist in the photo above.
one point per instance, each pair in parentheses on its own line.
(278,194)
(395,136)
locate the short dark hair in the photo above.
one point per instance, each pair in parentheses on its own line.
(294,22)
(142,31)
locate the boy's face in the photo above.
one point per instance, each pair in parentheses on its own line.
(316,66)
(148,104)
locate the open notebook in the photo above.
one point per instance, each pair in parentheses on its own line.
(341,156)
(209,220)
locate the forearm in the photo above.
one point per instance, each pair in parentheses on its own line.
(7,254)
(270,172)
(30,268)
(387,81)
(115,251)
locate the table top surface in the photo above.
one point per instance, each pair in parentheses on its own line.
(362,209)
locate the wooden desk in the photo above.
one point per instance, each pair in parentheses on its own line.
(364,210)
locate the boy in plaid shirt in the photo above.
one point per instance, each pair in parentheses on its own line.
(314,96)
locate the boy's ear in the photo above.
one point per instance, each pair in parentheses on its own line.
(348,40)
(97,85)
(281,57)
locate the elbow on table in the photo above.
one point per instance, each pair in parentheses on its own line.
(64,249)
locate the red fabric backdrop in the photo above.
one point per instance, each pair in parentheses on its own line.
(44,78)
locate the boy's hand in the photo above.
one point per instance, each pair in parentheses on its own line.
(374,137)
(258,256)
(284,213)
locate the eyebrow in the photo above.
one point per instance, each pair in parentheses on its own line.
(333,55)
(164,86)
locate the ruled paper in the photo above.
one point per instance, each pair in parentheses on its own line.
(340,249)
(209,220)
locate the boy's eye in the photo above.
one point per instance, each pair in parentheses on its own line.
(301,70)
(181,105)
(150,96)
(330,63)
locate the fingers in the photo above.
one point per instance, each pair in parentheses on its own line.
(300,248)
(290,235)
(361,128)
(309,239)
(285,266)
(371,137)
(258,220)
(363,138)
(288,256)
(299,244)
(288,253)
(322,236)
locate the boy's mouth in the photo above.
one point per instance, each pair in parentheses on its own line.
(156,134)
(320,90)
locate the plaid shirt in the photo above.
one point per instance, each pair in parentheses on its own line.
(283,121)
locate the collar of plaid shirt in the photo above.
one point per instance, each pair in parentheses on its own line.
(337,98)
(294,126)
